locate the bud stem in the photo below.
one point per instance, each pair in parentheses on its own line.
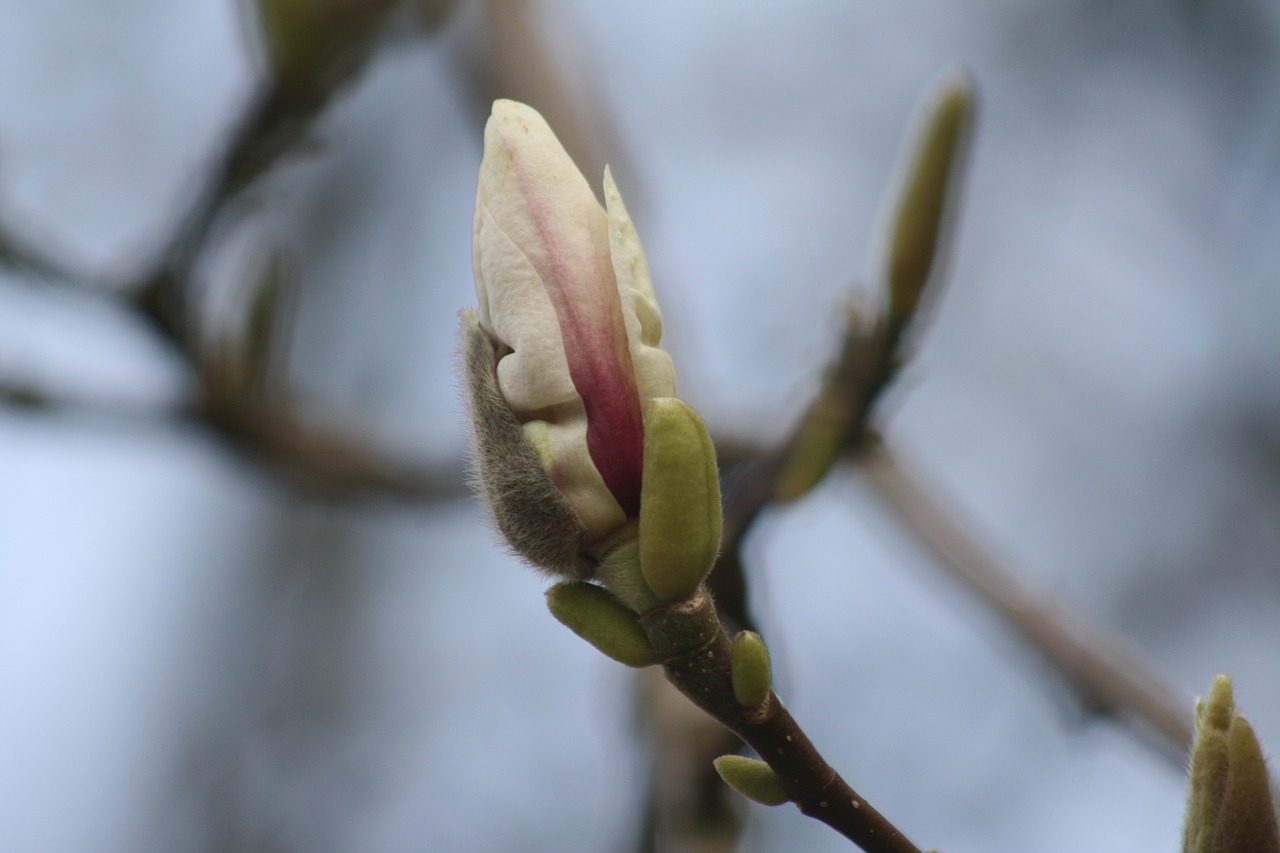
(696,655)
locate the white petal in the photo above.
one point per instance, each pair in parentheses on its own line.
(534,375)
(655,374)
(574,474)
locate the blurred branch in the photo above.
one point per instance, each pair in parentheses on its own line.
(329,462)
(311,51)
(836,420)
(324,461)
(1107,676)
(25,395)
(24,257)
(1110,677)
(301,83)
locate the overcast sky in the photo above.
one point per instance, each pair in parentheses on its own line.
(193,658)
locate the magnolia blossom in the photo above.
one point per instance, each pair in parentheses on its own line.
(566,297)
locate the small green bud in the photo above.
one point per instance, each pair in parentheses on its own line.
(597,617)
(749,665)
(753,779)
(1230,808)
(680,515)
(819,441)
(918,230)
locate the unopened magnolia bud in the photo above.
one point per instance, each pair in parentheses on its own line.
(565,293)
(1230,809)
(680,515)
(597,617)
(753,779)
(916,239)
(528,509)
(749,666)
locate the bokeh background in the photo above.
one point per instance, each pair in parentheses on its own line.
(199,654)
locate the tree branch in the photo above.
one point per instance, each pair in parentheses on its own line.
(25,257)
(1110,677)
(696,655)
(241,399)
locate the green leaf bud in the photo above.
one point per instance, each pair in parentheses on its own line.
(1229,809)
(749,665)
(597,617)
(680,515)
(819,441)
(916,240)
(753,779)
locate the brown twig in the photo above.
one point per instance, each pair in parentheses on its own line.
(272,124)
(1108,675)
(689,639)
(329,462)
(321,461)
(798,763)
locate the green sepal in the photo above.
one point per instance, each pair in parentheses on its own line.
(918,229)
(680,515)
(752,677)
(1229,809)
(596,616)
(753,779)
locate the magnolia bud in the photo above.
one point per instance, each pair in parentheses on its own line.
(565,296)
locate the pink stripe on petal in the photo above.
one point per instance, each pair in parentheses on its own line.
(581,286)
(603,377)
